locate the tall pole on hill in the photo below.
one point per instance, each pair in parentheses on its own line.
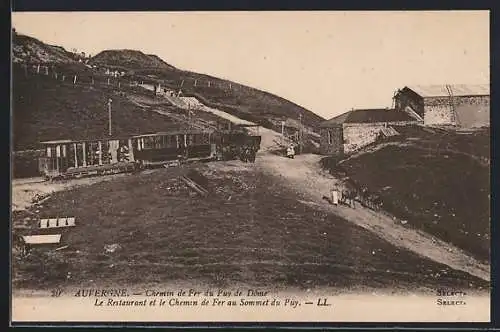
(300,133)
(283,132)
(109,114)
(189,117)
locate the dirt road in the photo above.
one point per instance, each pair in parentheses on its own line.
(304,175)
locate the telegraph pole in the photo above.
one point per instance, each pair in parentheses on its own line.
(282,132)
(189,117)
(109,114)
(300,133)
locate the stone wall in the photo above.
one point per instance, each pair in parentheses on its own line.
(470,111)
(439,114)
(331,140)
(358,135)
(471,116)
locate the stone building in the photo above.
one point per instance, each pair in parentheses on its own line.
(466,106)
(355,129)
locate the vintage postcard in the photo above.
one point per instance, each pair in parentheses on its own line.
(250,166)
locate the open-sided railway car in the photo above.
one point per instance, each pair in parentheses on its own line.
(67,158)
(162,148)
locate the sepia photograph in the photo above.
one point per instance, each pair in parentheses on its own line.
(250,166)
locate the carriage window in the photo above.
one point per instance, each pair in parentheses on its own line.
(71,155)
(93,148)
(106,154)
(123,154)
(158,142)
(79,154)
(172,141)
(196,139)
(148,142)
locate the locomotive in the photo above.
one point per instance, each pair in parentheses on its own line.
(77,158)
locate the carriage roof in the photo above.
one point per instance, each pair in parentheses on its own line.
(174,132)
(66,141)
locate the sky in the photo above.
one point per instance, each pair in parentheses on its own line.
(328,62)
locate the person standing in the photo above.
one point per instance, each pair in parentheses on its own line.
(335,196)
(290,152)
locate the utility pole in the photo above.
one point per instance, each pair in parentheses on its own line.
(282,132)
(300,133)
(109,114)
(189,116)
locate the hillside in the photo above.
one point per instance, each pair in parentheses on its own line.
(239,234)
(238,100)
(245,102)
(438,181)
(242,101)
(49,109)
(31,50)
(130,59)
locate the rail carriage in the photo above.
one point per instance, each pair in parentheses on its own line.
(68,158)
(71,158)
(162,148)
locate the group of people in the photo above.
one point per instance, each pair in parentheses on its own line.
(350,196)
(346,197)
(247,154)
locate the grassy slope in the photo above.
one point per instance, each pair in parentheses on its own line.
(240,233)
(129,59)
(46,109)
(443,191)
(248,103)
(34,51)
(242,101)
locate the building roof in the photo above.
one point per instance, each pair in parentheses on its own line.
(457,90)
(369,116)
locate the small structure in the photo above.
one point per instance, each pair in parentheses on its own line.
(57,222)
(355,129)
(42,239)
(466,106)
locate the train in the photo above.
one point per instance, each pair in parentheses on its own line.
(64,159)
